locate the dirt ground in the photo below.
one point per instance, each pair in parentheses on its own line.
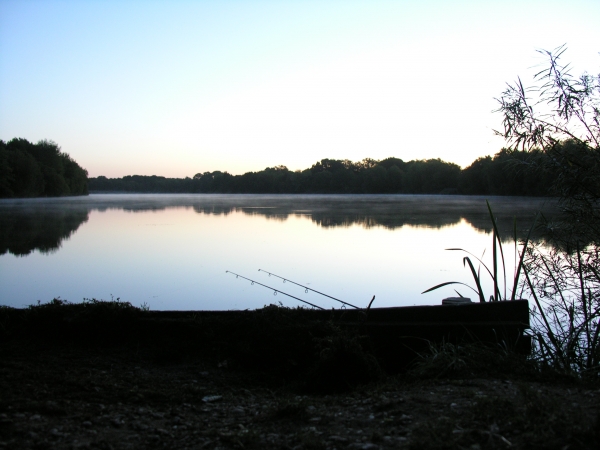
(57,397)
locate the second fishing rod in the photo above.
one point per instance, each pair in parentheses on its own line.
(306,289)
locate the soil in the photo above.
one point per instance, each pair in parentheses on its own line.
(66,396)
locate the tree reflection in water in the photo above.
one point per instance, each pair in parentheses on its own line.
(42,224)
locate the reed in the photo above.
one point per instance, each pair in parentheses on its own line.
(563,286)
(498,263)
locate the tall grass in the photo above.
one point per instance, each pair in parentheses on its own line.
(563,287)
(498,263)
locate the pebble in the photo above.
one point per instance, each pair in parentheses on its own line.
(116,422)
(363,446)
(336,438)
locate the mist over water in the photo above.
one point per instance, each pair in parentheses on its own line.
(172,251)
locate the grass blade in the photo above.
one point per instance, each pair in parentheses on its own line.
(557,348)
(496,237)
(522,256)
(477,282)
(584,301)
(476,257)
(446,284)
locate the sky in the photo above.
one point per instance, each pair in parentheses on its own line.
(175,88)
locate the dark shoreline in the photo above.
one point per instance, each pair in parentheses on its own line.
(76,378)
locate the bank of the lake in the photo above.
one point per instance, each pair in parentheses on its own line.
(113,390)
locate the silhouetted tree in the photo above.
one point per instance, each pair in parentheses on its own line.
(487,175)
(38,170)
(560,114)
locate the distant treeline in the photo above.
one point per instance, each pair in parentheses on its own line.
(39,170)
(507,173)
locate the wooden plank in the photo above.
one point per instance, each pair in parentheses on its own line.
(410,330)
(497,312)
(490,313)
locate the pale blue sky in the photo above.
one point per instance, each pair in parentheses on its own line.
(178,87)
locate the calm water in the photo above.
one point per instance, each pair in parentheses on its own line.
(172,251)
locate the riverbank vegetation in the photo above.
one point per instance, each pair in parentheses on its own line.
(498,175)
(559,113)
(39,170)
(564,281)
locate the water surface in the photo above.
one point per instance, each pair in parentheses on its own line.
(173,251)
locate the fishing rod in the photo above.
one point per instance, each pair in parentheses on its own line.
(306,289)
(275,291)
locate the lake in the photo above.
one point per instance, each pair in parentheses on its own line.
(171,252)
